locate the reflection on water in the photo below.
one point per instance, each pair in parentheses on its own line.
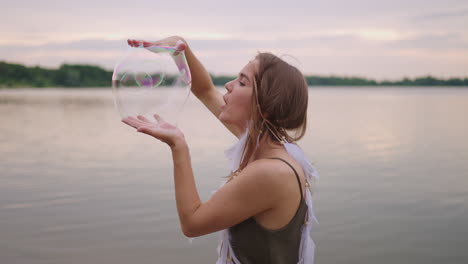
(78,186)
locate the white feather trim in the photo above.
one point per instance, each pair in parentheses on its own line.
(307,245)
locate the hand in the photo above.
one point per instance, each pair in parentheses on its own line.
(160,129)
(175,41)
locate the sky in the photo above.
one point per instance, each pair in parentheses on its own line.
(365,38)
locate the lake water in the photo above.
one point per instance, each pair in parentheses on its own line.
(78,186)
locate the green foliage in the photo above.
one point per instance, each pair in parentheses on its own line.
(221,80)
(338,81)
(82,76)
(16,75)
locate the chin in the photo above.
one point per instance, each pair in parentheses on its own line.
(222,117)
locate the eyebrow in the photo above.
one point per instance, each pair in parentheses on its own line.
(243,75)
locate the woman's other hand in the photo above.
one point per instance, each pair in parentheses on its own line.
(160,129)
(175,41)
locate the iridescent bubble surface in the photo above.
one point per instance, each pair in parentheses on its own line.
(140,76)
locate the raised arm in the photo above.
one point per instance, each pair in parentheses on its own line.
(202,84)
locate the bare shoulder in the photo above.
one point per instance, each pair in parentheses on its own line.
(273,173)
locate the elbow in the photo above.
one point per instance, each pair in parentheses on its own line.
(189,232)
(190,226)
(192,229)
(198,91)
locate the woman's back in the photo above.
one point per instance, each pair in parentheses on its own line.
(253,243)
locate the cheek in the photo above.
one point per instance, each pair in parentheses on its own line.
(238,107)
(235,113)
(243,113)
(246,104)
(244,97)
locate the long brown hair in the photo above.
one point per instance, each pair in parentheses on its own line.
(279,104)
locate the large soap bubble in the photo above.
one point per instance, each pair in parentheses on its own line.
(152,80)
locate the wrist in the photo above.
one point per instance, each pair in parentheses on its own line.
(178,144)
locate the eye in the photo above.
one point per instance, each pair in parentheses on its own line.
(241,83)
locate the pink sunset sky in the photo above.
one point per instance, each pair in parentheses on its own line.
(374,39)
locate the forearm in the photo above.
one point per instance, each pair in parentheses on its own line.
(187,198)
(201,79)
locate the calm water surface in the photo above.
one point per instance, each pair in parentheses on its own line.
(78,186)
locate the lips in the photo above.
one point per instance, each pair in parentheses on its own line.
(225,102)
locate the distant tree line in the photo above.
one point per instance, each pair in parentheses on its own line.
(354,81)
(16,75)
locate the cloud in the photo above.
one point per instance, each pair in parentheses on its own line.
(449,42)
(443,15)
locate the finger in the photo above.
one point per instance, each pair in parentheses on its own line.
(158,118)
(140,43)
(132,42)
(132,123)
(142,118)
(136,121)
(143,130)
(149,131)
(147,44)
(181,46)
(126,121)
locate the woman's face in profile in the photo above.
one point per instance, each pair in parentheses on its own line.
(237,108)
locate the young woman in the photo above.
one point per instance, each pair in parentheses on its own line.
(265,208)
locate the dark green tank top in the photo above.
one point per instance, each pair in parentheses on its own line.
(254,244)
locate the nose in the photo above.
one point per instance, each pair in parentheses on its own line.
(228,86)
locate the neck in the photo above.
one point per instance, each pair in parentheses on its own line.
(268,148)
